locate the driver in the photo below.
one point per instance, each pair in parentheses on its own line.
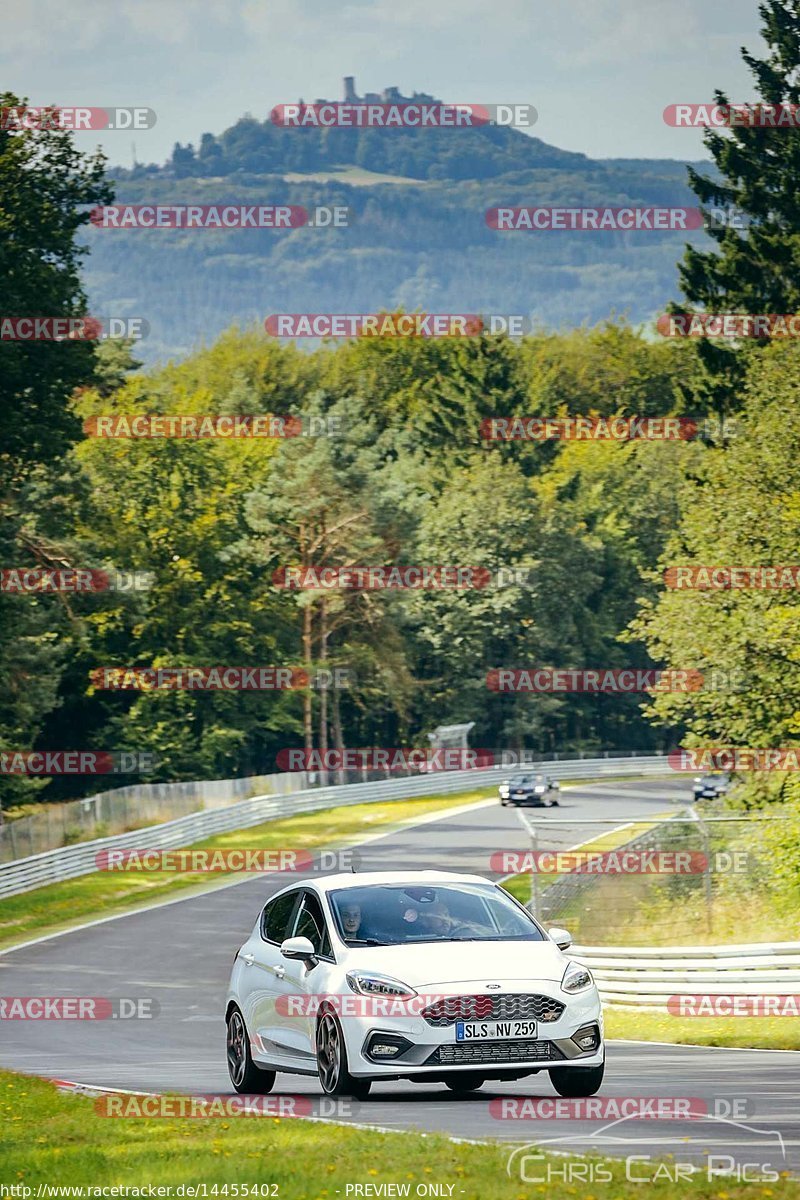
(351,919)
(438,920)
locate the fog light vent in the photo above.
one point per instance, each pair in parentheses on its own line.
(587,1038)
(383,1047)
(383,1050)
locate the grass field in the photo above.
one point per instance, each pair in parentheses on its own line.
(49,1138)
(767,1033)
(59,905)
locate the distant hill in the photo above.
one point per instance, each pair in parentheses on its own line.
(417,240)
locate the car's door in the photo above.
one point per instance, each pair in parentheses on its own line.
(302,986)
(261,978)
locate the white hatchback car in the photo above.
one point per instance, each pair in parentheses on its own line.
(420,975)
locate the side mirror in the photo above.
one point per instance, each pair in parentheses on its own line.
(561,937)
(301,950)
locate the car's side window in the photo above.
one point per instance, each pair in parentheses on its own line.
(311,924)
(277,918)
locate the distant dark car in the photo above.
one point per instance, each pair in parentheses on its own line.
(538,790)
(711,787)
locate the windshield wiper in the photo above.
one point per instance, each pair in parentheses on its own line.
(366,942)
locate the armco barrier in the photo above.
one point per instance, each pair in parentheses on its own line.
(51,826)
(68,862)
(648,976)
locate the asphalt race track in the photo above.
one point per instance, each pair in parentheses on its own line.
(181,953)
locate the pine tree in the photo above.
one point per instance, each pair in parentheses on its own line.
(755,265)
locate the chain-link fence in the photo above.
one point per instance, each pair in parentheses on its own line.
(686,878)
(51,826)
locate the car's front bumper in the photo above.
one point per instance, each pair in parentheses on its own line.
(430,1050)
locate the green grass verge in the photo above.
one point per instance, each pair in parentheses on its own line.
(47,1137)
(766,1033)
(60,905)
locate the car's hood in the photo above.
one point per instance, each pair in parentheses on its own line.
(462,962)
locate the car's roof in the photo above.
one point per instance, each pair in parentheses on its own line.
(329,883)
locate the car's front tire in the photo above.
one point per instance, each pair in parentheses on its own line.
(577,1081)
(461,1084)
(245,1075)
(334,1076)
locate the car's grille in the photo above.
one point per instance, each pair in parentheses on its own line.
(495,1052)
(522,1005)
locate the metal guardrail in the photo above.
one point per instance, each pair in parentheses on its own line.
(102,814)
(648,976)
(69,862)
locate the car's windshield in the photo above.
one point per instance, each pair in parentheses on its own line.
(396,914)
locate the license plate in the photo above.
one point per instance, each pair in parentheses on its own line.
(478,1031)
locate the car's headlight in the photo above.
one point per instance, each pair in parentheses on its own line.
(370,983)
(576,978)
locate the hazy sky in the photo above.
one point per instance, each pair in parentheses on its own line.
(600,72)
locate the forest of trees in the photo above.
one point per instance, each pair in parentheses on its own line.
(592,526)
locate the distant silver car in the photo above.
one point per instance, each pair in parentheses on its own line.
(710,787)
(538,790)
